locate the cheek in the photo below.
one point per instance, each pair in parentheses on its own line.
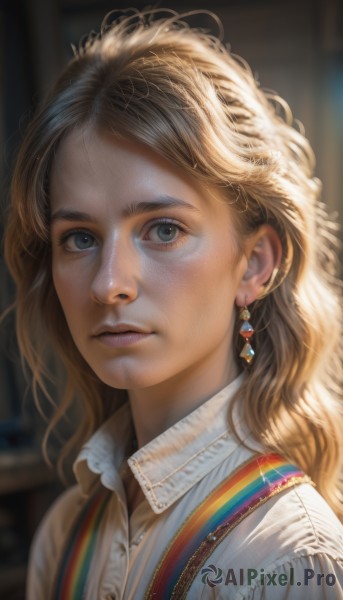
(199,283)
(214,266)
(70,288)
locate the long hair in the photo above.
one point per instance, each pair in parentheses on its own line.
(152,78)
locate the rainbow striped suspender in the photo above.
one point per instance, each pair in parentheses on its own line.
(248,487)
(71,580)
(252,484)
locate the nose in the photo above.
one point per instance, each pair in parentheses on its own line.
(116,274)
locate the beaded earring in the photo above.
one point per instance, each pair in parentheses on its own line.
(246,331)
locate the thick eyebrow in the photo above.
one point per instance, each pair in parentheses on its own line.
(133,209)
(164,202)
(70,215)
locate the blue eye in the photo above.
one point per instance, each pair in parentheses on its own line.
(83,240)
(75,241)
(167,232)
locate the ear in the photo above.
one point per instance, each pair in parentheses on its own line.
(263,252)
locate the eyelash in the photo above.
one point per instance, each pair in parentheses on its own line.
(63,239)
(163,221)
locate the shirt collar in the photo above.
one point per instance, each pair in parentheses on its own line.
(105,452)
(171,464)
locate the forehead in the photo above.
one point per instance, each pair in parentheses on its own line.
(93,168)
(87,154)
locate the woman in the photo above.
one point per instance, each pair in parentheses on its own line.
(166,237)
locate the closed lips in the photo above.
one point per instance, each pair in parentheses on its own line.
(122,328)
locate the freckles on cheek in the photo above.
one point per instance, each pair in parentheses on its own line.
(177,275)
(194,268)
(56,279)
(66,286)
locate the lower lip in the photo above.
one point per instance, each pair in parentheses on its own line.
(120,340)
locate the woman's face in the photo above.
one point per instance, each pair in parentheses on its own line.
(145,264)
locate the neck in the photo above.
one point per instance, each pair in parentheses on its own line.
(157,408)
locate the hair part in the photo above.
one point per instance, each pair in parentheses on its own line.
(180,92)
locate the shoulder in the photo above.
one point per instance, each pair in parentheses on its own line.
(296,522)
(289,547)
(302,521)
(48,542)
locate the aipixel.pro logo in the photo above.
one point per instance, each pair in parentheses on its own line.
(212,575)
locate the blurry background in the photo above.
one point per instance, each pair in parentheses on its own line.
(293,47)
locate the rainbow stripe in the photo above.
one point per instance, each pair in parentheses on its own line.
(250,486)
(74,568)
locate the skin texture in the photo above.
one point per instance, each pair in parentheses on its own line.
(176,272)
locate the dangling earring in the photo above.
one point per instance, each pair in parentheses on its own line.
(246,331)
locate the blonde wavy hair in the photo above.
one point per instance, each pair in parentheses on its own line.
(151,77)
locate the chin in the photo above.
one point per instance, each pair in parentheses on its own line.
(127,378)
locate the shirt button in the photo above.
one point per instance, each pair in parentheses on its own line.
(137,540)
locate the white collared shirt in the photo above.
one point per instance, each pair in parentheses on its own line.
(292,540)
